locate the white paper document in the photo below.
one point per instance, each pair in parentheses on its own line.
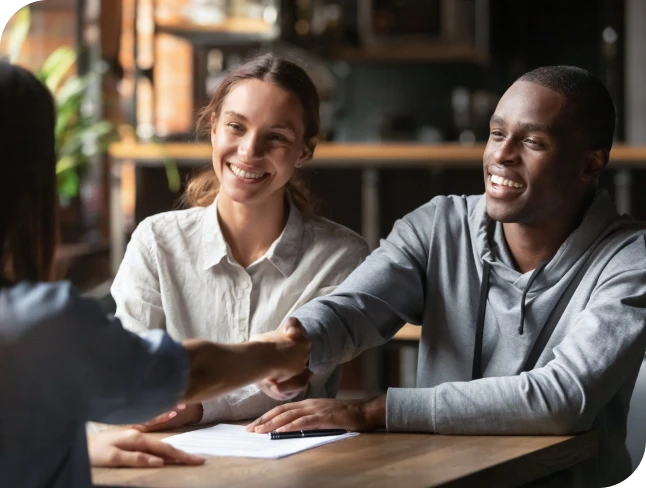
(234,440)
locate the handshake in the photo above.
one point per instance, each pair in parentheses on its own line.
(276,360)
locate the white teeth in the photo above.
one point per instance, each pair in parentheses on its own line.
(499,180)
(245,174)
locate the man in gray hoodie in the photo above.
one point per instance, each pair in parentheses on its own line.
(531,297)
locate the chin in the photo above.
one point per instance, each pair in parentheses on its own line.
(503,213)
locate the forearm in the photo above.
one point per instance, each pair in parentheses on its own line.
(535,403)
(216,369)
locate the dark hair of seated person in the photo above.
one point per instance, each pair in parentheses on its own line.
(28,196)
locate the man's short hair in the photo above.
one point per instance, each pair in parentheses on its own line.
(593,109)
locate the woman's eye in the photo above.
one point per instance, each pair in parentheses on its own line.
(277,137)
(234,126)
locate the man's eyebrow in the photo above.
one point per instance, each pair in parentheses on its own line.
(525,126)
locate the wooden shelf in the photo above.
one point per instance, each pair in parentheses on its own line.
(351,155)
(234,30)
(427,52)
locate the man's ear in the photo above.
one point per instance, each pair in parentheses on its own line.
(595,163)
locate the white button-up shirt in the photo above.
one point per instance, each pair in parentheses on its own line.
(179,275)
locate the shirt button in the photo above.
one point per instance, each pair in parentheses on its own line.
(241,338)
(245,285)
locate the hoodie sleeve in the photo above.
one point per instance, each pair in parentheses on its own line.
(372,304)
(606,343)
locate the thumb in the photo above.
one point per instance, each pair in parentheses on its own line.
(293,329)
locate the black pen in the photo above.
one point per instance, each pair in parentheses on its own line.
(297,434)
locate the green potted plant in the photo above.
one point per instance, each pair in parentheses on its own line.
(80,136)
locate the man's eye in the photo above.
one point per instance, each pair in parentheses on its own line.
(496,133)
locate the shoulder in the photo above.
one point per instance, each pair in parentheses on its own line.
(625,248)
(164,229)
(26,304)
(444,210)
(323,232)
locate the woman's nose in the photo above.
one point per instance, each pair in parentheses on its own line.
(250,147)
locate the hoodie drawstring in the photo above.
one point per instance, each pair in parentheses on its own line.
(476,371)
(521,327)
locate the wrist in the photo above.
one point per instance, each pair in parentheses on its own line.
(374,412)
(198,413)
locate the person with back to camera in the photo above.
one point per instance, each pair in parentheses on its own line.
(249,242)
(62,362)
(531,297)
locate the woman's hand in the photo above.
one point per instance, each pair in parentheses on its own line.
(327,413)
(131,448)
(182,415)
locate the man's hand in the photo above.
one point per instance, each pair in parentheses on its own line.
(357,415)
(182,415)
(285,390)
(131,448)
(292,375)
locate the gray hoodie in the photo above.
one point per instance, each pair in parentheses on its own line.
(569,364)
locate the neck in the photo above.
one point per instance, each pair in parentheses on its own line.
(530,245)
(250,229)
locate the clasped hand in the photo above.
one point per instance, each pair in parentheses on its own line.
(285,388)
(281,356)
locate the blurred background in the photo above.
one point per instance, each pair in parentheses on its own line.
(407,89)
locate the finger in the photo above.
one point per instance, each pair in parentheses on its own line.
(160,419)
(167,452)
(280,420)
(303,423)
(172,423)
(136,459)
(293,384)
(268,416)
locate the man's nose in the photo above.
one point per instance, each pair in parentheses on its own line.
(506,152)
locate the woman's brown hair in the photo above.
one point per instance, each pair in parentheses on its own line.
(28,199)
(203,188)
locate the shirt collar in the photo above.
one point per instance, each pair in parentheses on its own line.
(214,247)
(283,253)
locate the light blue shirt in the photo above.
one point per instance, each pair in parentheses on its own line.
(62,363)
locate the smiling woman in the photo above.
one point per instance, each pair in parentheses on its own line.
(259,80)
(249,251)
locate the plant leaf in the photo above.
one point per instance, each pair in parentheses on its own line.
(56,66)
(18,33)
(68,183)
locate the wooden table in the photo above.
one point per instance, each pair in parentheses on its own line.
(380,459)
